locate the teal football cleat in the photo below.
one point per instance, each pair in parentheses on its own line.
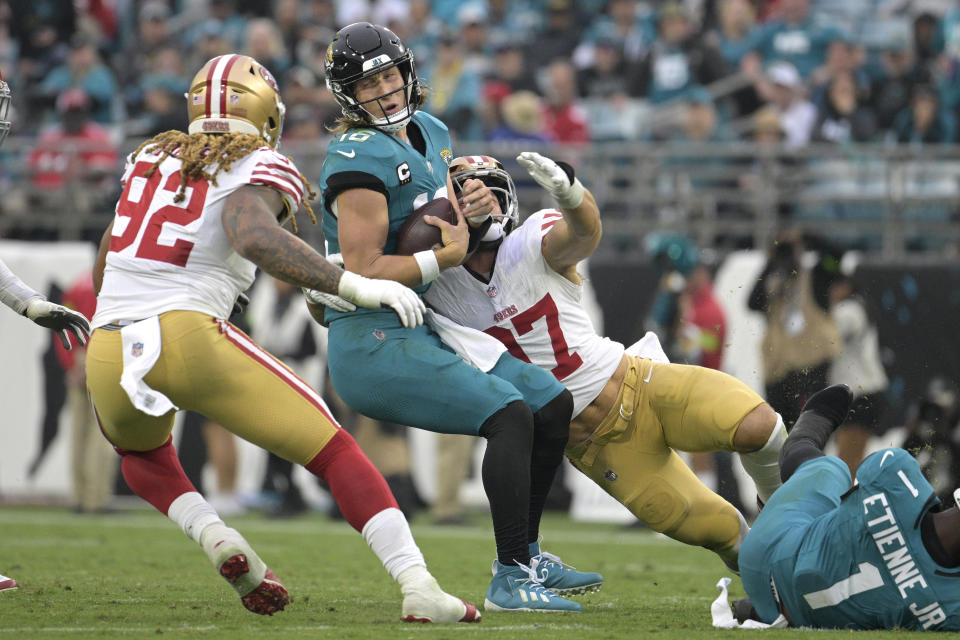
(517,588)
(559,577)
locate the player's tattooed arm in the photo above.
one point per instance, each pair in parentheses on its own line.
(250,221)
(100,263)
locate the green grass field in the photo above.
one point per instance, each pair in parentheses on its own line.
(136,575)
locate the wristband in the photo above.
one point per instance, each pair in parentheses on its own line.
(572,196)
(429,267)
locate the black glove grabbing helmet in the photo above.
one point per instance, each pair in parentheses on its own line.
(361,50)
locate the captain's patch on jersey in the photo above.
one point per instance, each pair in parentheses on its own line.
(403,172)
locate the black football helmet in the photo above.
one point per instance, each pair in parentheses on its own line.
(490,172)
(360,50)
(4,109)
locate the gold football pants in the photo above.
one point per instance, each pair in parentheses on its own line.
(211,367)
(661,407)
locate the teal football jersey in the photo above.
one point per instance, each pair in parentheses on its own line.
(372,159)
(863,565)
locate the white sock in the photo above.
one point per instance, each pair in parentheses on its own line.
(192,513)
(389,536)
(764,465)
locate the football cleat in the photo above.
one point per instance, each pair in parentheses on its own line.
(8,584)
(427,602)
(832,403)
(259,589)
(518,588)
(559,577)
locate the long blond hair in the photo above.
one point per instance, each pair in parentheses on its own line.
(198,151)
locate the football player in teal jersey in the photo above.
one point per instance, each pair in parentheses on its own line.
(882,554)
(388,158)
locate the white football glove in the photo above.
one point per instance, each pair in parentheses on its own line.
(60,319)
(551,177)
(373,294)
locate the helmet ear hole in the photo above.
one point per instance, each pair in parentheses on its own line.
(272,123)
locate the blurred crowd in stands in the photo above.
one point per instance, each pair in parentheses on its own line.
(803,80)
(536,70)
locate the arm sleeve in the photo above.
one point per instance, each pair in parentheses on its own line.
(13,291)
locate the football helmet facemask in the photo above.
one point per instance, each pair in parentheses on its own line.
(235,94)
(361,50)
(4,109)
(490,172)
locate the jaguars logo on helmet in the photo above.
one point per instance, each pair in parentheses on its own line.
(361,50)
(4,109)
(490,172)
(235,94)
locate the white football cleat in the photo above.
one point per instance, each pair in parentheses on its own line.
(427,602)
(8,584)
(259,589)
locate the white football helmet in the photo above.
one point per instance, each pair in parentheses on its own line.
(4,109)
(490,172)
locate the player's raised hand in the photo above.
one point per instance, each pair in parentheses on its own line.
(372,293)
(565,188)
(60,319)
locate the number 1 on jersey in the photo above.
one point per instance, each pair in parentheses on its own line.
(866,578)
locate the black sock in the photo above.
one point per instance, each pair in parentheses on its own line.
(822,414)
(506,478)
(551,430)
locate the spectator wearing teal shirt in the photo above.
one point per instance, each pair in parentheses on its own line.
(796,37)
(736,19)
(631,31)
(676,61)
(83,69)
(456,90)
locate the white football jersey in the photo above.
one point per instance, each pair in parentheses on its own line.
(533,310)
(167,255)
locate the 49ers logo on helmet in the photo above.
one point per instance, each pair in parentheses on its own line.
(268,77)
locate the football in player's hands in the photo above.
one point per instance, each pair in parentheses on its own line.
(417,235)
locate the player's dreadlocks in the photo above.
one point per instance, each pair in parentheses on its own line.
(199,151)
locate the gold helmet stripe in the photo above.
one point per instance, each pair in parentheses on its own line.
(217,85)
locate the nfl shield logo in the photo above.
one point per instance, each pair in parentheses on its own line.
(492,291)
(234,99)
(379,335)
(197,98)
(610,475)
(137,349)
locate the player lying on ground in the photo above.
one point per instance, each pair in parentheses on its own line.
(17,295)
(198,214)
(389,158)
(881,554)
(522,287)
